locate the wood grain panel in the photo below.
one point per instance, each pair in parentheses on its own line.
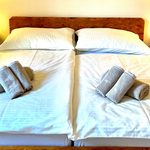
(68,148)
(135,25)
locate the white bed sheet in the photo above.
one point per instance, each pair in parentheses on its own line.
(47,108)
(113,142)
(95,116)
(9,139)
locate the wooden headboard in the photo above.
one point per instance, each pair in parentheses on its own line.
(135,25)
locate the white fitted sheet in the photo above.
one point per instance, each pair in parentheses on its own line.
(113,142)
(8,139)
(95,116)
(47,108)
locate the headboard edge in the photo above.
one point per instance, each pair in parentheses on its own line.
(135,25)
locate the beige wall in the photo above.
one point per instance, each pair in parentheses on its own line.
(74,8)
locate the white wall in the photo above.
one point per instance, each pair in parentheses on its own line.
(74,8)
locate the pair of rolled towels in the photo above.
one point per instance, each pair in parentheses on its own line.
(15,79)
(116,82)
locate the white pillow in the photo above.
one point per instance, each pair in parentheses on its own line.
(110,40)
(40,38)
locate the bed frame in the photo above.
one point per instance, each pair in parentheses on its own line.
(135,25)
(68,148)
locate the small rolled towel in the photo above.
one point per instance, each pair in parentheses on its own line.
(21,75)
(138,90)
(30,73)
(109,80)
(10,83)
(123,84)
(103,75)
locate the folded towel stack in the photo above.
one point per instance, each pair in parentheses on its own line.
(125,84)
(21,75)
(30,73)
(10,83)
(15,79)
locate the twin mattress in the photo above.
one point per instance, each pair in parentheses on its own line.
(47,108)
(95,117)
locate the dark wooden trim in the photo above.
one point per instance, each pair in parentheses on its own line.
(135,25)
(68,148)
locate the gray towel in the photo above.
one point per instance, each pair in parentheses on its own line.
(138,90)
(30,73)
(109,80)
(10,83)
(123,84)
(21,75)
(103,75)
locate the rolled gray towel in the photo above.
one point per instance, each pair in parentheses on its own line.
(10,83)
(123,84)
(30,73)
(21,75)
(103,75)
(109,80)
(138,90)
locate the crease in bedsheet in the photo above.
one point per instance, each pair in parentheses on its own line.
(120,62)
(144,111)
(143,69)
(4,112)
(138,65)
(32,58)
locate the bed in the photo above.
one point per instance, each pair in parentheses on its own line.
(63,61)
(97,120)
(41,116)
